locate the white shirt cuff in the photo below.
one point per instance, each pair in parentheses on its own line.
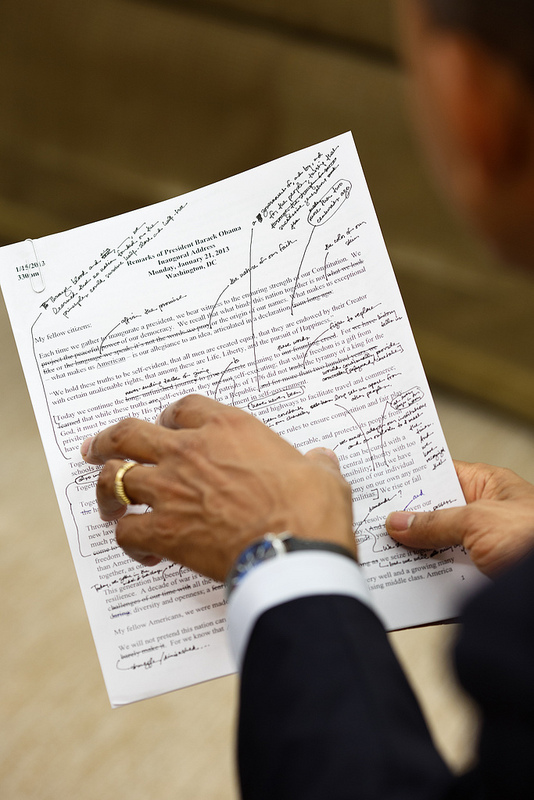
(280,580)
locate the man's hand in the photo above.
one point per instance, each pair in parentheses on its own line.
(496,526)
(215,478)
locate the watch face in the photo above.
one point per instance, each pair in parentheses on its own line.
(268,547)
(254,554)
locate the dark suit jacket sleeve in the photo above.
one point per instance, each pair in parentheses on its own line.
(326,712)
(495,663)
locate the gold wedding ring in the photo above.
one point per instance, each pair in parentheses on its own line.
(120,494)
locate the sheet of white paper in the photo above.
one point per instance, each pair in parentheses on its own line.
(271,291)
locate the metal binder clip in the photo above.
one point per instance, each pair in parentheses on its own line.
(36,277)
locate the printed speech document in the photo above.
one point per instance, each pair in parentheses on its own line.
(271,291)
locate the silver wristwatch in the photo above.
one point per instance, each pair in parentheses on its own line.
(274,545)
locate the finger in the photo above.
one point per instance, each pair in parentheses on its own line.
(325,457)
(191,411)
(147,535)
(441,528)
(123,535)
(463,468)
(473,478)
(138,488)
(484,481)
(130,438)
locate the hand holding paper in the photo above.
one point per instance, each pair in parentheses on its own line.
(270,292)
(219,480)
(496,526)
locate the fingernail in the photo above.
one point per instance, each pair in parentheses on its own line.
(150,561)
(325,451)
(86,446)
(399,521)
(330,454)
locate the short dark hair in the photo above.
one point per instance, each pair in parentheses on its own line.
(505,26)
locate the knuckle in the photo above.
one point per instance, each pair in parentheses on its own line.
(177,410)
(120,433)
(169,416)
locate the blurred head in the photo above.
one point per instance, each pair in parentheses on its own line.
(472,69)
(507,29)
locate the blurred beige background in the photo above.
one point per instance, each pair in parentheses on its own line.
(106,105)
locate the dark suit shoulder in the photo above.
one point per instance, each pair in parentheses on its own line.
(495,662)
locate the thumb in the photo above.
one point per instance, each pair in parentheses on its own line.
(428,529)
(325,457)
